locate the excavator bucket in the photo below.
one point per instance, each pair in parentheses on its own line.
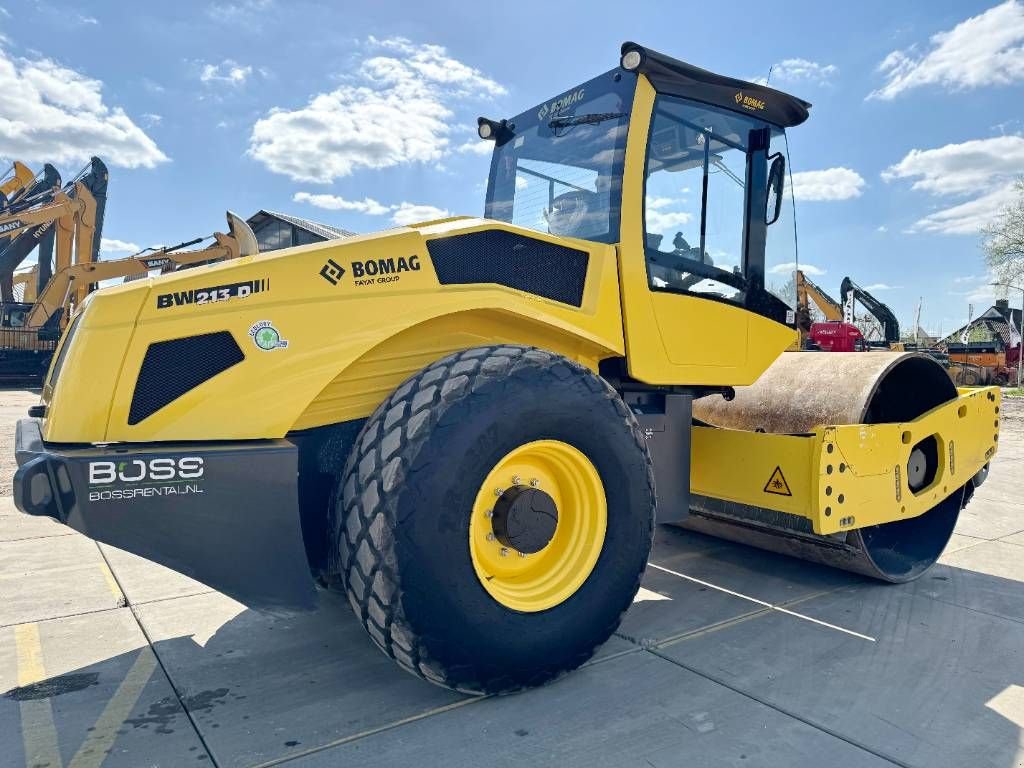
(242,232)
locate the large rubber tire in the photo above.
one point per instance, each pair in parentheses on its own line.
(401,517)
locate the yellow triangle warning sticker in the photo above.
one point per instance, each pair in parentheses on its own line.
(777,484)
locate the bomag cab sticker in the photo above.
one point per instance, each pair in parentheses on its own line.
(749,102)
(266,336)
(213,294)
(562,103)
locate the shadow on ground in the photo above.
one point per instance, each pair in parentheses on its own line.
(696,676)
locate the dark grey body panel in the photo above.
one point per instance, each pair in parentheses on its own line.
(233,526)
(666,420)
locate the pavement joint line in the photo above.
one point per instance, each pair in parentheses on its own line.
(43,536)
(371,732)
(159,662)
(38,731)
(98,742)
(778,608)
(61,617)
(782,710)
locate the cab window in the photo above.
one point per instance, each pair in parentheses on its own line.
(695,199)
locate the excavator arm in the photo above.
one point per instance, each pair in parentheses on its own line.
(807,288)
(70,284)
(881,312)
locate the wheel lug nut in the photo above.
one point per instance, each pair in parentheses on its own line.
(498,491)
(490,537)
(534,483)
(489,513)
(504,552)
(522,554)
(517,480)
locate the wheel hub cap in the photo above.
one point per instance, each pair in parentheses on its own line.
(525,519)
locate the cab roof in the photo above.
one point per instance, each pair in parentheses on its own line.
(677,78)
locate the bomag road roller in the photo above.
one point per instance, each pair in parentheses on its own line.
(472,425)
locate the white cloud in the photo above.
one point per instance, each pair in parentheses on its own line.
(151,119)
(244,11)
(410,213)
(478,147)
(396,110)
(83,19)
(367,205)
(51,113)
(960,168)
(881,228)
(829,184)
(110,245)
(791,266)
(800,70)
(966,218)
(663,221)
(977,289)
(880,287)
(985,168)
(229,72)
(401,214)
(987,49)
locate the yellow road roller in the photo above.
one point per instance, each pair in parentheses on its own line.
(472,425)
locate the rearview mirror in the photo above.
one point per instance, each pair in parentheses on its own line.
(776,184)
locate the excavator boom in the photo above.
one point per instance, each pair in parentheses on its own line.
(881,312)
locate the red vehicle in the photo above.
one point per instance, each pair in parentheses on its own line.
(835,336)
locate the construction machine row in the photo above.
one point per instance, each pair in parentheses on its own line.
(63,224)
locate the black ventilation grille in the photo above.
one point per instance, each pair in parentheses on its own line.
(515,261)
(172,368)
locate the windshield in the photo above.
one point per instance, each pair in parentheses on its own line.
(559,168)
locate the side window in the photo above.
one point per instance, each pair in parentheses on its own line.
(695,199)
(780,258)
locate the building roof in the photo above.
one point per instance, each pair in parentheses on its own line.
(325,231)
(990,325)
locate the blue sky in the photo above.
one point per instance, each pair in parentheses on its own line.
(369,109)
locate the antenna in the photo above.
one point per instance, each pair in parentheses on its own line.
(769,78)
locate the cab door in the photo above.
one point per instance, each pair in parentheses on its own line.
(692,264)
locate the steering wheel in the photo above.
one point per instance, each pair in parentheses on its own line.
(567,215)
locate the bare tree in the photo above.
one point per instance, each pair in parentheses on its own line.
(1003,241)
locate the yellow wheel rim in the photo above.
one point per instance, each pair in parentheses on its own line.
(548,577)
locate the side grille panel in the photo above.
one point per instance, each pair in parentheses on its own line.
(512,260)
(172,368)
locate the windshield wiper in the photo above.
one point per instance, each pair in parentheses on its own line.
(590,119)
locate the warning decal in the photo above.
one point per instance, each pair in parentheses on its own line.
(777,484)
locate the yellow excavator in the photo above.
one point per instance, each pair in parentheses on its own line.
(17,179)
(58,300)
(470,426)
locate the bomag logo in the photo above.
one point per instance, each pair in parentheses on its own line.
(560,104)
(383,270)
(139,471)
(748,102)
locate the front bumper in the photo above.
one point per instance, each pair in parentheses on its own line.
(225,514)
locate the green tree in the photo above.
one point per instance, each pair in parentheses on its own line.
(1003,240)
